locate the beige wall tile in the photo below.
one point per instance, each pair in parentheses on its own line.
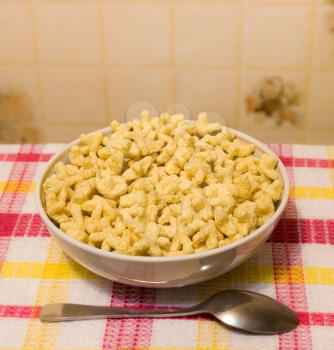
(90,68)
(321,109)
(319,137)
(22,79)
(127,86)
(208,91)
(68,33)
(138,34)
(251,78)
(73,96)
(323,48)
(277,36)
(207,35)
(16,33)
(56,133)
(277,135)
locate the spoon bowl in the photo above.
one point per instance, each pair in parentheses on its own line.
(243,310)
(251,312)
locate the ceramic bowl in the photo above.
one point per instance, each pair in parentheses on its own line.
(160,272)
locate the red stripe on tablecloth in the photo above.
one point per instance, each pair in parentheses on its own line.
(129,333)
(307,162)
(13,202)
(316,319)
(25,157)
(19,311)
(21,225)
(293,295)
(314,231)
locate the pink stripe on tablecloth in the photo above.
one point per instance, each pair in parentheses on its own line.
(313,231)
(21,225)
(129,333)
(19,311)
(316,318)
(25,157)
(294,295)
(307,162)
(13,202)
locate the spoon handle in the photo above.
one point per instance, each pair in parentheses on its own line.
(71,312)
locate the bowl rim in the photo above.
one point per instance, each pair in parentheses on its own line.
(166,259)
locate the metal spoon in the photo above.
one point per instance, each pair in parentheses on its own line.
(243,310)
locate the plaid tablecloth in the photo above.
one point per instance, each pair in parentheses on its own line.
(296,266)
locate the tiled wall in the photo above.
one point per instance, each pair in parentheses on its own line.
(83,62)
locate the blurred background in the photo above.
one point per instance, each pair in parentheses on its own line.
(67,67)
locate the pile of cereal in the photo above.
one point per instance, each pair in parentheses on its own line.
(162,187)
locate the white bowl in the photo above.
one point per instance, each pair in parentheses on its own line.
(162,272)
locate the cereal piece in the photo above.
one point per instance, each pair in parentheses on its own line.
(111,186)
(167,152)
(204,127)
(274,189)
(246,213)
(115,162)
(78,235)
(138,169)
(265,207)
(151,235)
(229,227)
(267,166)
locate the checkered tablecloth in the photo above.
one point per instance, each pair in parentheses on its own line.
(296,266)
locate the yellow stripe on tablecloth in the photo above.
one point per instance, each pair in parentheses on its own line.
(43,335)
(48,270)
(210,335)
(303,192)
(246,273)
(17,186)
(293,274)
(304,275)
(314,275)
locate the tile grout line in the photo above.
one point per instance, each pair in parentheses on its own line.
(172,19)
(242,55)
(307,79)
(159,66)
(204,2)
(239,92)
(103,41)
(36,64)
